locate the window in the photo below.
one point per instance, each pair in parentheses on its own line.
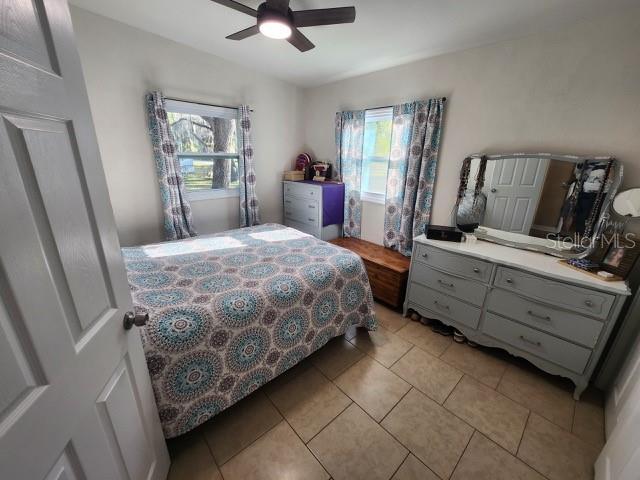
(207,147)
(375,156)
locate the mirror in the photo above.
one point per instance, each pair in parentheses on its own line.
(627,203)
(550,203)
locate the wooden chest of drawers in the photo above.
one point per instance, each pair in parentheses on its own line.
(524,302)
(388,270)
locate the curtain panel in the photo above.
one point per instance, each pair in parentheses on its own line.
(178,221)
(413,160)
(249,206)
(349,146)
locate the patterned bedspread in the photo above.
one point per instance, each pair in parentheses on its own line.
(231,311)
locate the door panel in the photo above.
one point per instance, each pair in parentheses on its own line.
(19,377)
(36,143)
(24,35)
(67,467)
(74,382)
(513,193)
(620,457)
(119,406)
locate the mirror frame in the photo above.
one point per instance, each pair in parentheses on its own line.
(605,209)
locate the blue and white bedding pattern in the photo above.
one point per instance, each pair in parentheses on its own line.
(231,311)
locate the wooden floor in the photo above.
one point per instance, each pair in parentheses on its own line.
(401,403)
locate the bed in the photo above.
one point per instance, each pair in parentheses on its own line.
(231,311)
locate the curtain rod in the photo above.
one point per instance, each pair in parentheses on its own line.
(201,103)
(444,99)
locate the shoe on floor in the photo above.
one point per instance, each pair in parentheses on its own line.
(458,337)
(442,329)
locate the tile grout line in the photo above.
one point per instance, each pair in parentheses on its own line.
(401,463)
(454,387)
(299,438)
(463,451)
(244,448)
(522,436)
(401,356)
(351,402)
(395,405)
(520,444)
(211,453)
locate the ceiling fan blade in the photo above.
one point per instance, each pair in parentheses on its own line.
(237,6)
(324,16)
(298,40)
(246,33)
(281,5)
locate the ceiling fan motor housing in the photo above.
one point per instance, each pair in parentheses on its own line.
(269,14)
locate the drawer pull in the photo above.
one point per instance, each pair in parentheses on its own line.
(537,315)
(530,342)
(311,219)
(287,201)
(509,280)
(445,284)
(588,303)
(441,305)
(311,206)
(476,270)
(424,255)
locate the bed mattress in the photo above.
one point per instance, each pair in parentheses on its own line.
(231,311)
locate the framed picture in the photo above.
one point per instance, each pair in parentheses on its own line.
(620,258)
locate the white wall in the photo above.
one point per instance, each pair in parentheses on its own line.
(572,91)
(120,65)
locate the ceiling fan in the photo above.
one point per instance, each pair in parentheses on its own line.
(276,20)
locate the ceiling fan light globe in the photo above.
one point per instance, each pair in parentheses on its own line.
(275,29)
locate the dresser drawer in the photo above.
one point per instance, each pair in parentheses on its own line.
(545,346)
(303,227)
(580,299)
(301,210)
(452,262)
(572,326)
(444,305)
(303,190)
(467,290)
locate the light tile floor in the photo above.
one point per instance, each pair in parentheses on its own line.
(401,403)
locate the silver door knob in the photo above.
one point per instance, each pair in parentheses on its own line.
(493,190)
(137,319)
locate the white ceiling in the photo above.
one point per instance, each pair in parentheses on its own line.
(386,32)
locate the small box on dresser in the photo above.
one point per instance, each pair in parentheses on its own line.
(316,208)
(524,302)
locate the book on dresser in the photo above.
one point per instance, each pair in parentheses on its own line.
(524,302)
(316,208)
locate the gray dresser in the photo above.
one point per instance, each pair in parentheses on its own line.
(315,208)
(524,302)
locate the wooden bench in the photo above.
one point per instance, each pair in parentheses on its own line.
(388,270)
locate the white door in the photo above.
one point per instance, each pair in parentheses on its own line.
(620,458)
(514,192)
(75,396)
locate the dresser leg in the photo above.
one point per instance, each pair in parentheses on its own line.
(580,387)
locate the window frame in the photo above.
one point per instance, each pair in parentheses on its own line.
(192,108)
(374,197)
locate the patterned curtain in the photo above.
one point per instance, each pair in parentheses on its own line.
(178,222)
(415,141)
(349,146)
(249,211)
